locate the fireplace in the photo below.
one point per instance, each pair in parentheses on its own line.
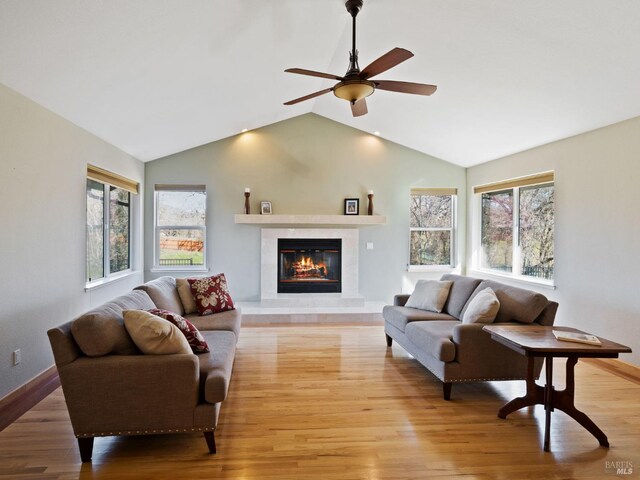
(309,265)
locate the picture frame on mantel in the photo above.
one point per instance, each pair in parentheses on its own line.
(352,206)
(265,208)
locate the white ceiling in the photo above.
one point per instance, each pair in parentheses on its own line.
(155,77)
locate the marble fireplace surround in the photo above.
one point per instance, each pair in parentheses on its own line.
(269,296)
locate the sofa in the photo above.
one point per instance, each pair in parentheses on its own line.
(111,388)
(463,352)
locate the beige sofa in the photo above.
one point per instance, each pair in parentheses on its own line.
(457,352)
(112,389)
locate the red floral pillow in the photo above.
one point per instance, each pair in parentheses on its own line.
(211,294)
(196,341)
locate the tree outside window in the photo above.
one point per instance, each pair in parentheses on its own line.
(431,227)
(108,217)
(517,226)
(180,226)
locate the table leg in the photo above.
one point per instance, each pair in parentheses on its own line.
(564,401)
(534,395)
(548,401)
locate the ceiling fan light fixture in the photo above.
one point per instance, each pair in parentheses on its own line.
(353,90)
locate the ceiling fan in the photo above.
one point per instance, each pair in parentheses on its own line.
(356,85)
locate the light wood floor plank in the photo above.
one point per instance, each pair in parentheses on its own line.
(332,402)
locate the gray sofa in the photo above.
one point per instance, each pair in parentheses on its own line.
(457,352)
(112,389)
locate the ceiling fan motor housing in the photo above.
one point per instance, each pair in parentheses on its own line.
(353,6)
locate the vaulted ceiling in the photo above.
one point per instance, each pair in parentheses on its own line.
(155,77)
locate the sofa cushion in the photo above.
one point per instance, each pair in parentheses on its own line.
(186,296)
(399,317)
(154,335)
(211,294)
(516,304)
(229,321)
(459,294)
(217,365)
(101,331)
(196,341)
(429,295)
(164,294)
(434,338)
(483,308)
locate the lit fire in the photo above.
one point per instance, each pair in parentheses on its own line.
(306,268)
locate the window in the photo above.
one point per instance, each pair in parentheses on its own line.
(180,232)
(108,224)
(431,227)
(517,224)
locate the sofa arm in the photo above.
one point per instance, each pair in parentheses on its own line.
(130,393)
(471,340)
(400,300)
(482,357)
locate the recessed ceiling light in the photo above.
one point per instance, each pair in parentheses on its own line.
(376,133)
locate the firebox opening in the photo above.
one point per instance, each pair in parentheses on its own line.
(307,265)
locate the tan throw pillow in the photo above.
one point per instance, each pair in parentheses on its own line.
(186,297)
(483,308)
(430,295)
(154,335)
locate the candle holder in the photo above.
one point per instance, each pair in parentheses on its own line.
(370,207)
(247,207)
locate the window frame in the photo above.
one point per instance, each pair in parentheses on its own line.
(451,192)
(515,186)
(108,276)
(157,228)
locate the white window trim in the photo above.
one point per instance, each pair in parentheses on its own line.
(112,278)
(478,270)
(502,276)
(109,277)
(454,235)
(156,243)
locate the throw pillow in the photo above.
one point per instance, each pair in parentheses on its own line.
(154,335)
(211,294)
(483,308)
(430,295)
(192,334)
(186,297)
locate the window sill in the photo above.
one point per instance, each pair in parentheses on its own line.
(432,268)
(109,280)
(492,274)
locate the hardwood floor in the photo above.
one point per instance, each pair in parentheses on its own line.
(332,402)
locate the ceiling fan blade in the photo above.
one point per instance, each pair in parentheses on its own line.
(311,73)
(385,62)
(359,108)
(405,87)
(307,97)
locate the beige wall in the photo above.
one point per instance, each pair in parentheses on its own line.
(597,232)
(43,161)
(308,164)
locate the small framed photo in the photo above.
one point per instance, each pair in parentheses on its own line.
(352,206)
(265,208)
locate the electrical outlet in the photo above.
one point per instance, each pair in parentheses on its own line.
(17,357)
(369,245)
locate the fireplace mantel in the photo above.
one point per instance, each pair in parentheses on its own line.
(311,219)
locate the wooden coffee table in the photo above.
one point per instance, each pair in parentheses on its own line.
(535,341)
